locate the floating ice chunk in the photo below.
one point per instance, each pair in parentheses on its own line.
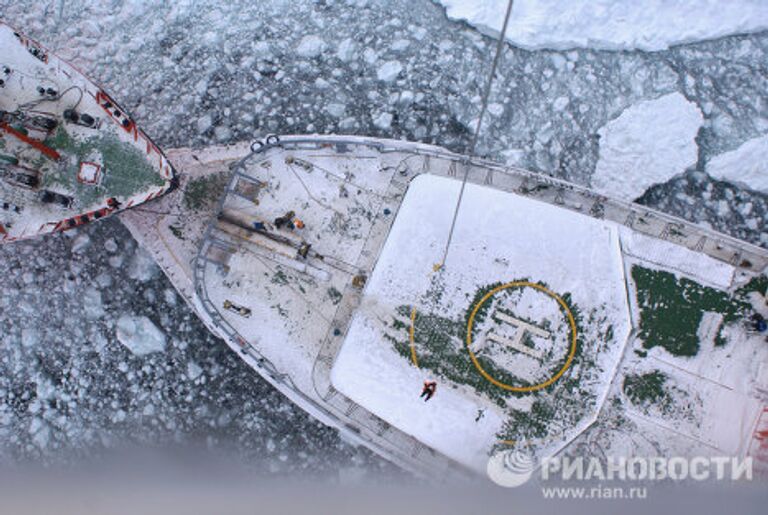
(222,133)
(649,143)
(406,97)
(169,296)
(81,242)
(193,370)
(41,432)
(30,337)
(150,296)
(389,71)
(346,50)
(211,38)
(91,29)
(723,208)
(139,335)
(201,87)
(142,267)
(348,123)
(116,261)
(310,46)
(92,305)
(558,61)
(400,45)
(45,388)
(262,48)
(383,121)
(110,245)
(370,55)
(104,280)
(496,109)
(336,110)
(204,123)
(747,165)
(98,340)
(613,24)
(560,103)
(513,156)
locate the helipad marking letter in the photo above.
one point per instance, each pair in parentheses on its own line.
(522,325)
(516,342)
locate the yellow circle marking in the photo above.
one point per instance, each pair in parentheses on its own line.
(534,387)
(410,337)
(514,443)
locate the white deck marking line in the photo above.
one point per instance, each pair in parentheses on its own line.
(523,325)
(516,344)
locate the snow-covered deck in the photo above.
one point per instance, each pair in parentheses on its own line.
(348,191)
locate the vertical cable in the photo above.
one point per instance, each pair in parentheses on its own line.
(473,143)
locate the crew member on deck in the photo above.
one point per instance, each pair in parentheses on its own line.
(429,390)
(285,221)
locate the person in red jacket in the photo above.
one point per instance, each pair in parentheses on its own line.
(429,390)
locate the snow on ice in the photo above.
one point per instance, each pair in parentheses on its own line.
(383,121)
(193,371)
(345,50)
(81,242)
(142,267)
(92,303)
(612,24)
(139,335)
(311,46)
(389,71)
(747,164)
(30,337)
(650,142)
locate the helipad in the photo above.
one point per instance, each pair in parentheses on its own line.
(502,241)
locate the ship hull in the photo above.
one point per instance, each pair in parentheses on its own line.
(301,321)
(69,153)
